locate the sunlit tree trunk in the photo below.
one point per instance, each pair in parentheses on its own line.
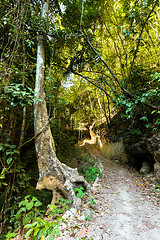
(53,175)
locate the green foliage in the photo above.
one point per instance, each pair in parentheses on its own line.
(86,238)
(87,218)
(19,95)
(8,155)
(91,201)
(84,162)
(41,228)
(141,79)
(10,235)
(92,173)
(59,207)
(136,108)
(156,115)
(30,216)
(79,192)
(156,188)
(27,211)
(12,192)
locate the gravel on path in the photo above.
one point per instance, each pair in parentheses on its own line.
(122,211)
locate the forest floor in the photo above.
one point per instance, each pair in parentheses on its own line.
(127,206)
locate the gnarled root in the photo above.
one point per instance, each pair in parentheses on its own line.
(65,189)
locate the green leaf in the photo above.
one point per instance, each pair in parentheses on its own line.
(26,220)
(128,104)
(37,204)
(1,147)
(27,196)
(29,205)
(36,232)
(28,233)
(16,151)
(18,214)
(28,225)
(5,184)
(9,160)
(10,235)
(8,139)
(144,118)
(34,224)
(2,176)
(13,146)
(34,199)
(7,145)
(23,209)
(38,219)
(157,186)
(143,99)
(153,111)
(24,202)
(8,152)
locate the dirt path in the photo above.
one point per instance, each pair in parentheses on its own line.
(122,211)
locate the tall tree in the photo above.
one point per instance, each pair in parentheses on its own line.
(53,175)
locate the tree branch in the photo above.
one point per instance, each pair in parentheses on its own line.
(140,35)
(108,67)
(35,135)
(126,92)
(86,78)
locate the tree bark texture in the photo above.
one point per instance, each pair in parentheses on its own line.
(53,175)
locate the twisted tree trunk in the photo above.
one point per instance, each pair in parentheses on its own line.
(53,175)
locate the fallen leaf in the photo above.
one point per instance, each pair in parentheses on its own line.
(148,226)
(85,232)
(82,233)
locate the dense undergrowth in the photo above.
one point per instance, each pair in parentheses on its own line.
(23,208)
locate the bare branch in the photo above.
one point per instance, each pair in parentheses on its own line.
(108,67)
(86,78)
(126,92)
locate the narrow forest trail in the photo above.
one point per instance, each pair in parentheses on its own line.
(122,211)
(125,212)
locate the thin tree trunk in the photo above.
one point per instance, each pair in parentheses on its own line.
(53,175)
(23,126)
(105,113)
(24,108)
(109,112)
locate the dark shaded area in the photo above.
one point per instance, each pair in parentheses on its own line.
(134,136)
(138,158)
